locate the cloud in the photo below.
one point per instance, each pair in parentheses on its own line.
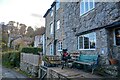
(25,11)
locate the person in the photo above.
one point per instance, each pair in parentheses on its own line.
(65,57)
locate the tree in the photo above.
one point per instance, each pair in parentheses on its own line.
(22,29)
(40,31)
(11,26)
(30,32)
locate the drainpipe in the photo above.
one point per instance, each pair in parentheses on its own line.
(54,43)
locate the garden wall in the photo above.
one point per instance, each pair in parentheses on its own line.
(30,63)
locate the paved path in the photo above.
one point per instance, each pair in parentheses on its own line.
(71,73)
(8,73)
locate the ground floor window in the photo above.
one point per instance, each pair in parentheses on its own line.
(117,36)
(60,46)
(87,41)
(51,49)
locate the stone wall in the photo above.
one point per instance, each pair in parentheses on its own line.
(30,69)
(93,19)
(30,63)
(104,13)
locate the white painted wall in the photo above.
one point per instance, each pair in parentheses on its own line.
(38,41)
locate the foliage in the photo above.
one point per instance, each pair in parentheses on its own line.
(11,59)
(30,32)
(40,31)
(22,29)
(45,58)
(31,50)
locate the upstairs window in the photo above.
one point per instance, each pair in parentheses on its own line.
(60,46)
(51,28)
(57,4)
(58,24)
(51,13)
(87,41)
(117,36)
(86,5)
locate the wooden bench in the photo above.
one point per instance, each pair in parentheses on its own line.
(90,60)
(69,62)
(52,60)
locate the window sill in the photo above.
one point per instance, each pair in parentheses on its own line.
(59,50)
(86,13)
(87,49)
(57,29)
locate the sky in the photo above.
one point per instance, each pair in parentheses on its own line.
(29,12)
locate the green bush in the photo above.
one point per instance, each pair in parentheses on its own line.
(31,50)
(11,59)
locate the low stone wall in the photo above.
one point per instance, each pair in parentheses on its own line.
(113,70)
(30,63)
(30,69)
(68,73)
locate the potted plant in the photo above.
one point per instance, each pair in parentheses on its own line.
(112,60)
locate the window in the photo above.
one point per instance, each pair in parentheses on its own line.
(51,28)
(58,24)
(117,36)
(87,41)
(60,46)
(51,13)
(51,49)
(86,5)
(57,4)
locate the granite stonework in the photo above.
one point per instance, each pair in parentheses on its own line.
(30,69)
(96,20)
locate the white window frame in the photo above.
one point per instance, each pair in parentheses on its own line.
(58,25)
(89,9)
(60,44)
(51,28)
(51,49)
(83,43)
(57,4)
(115,37)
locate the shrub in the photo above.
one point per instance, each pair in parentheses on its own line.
(31,50)
(11,59)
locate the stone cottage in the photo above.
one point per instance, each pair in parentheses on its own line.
(54,29)
(86,27)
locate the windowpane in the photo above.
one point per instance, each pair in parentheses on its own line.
(86,6)
(51,49)
(86,41)
(81,42)
(51,28)
(92,38)
(60,46)
(91,4)
(117,36)
(51,12)
(57,4)
(82,8)
(58,24)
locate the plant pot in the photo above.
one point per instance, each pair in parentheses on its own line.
(113,61)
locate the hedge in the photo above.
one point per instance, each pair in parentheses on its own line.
(11,59)
(31,50)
